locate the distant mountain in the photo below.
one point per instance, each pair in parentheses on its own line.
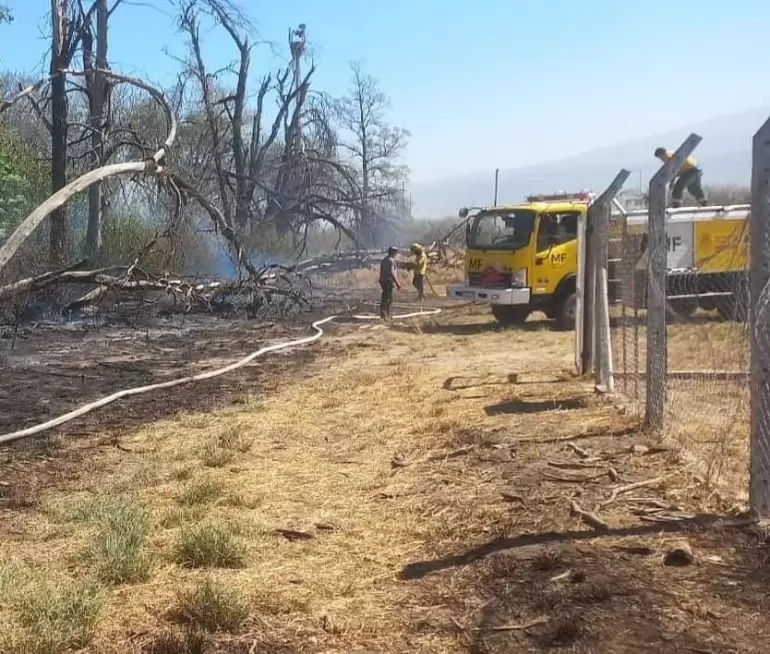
(725,155)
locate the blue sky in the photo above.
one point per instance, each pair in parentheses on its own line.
(490,83)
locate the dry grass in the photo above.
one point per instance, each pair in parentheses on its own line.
(341,481)
(706,415)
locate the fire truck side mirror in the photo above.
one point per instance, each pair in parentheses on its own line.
(463,213)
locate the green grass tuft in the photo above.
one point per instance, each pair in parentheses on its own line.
(54,619)
(209,546)
(215,456)
(233,438)
(200,492)
(120,553)
(171,642)
(183,473)
(211,606)
(182,515)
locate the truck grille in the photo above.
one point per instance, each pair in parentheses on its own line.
(490,280)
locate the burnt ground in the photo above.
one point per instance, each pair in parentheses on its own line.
(448,455)
(53,368)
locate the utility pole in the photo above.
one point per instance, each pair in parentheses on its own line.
(297,40)
(497,178)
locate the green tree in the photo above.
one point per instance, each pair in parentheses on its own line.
(22,181)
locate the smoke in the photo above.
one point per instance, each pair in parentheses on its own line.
(222,264)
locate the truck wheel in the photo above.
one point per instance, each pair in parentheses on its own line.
(736,306)
(733,310)
(681,309)
(510,315)
(566,309)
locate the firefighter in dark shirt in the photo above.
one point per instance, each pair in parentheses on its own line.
(388,281)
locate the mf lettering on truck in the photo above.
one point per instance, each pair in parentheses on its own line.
(706,259)
(523,258)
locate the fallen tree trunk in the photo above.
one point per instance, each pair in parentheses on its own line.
(152,166)
(31,284)
(122,279)
(61,197)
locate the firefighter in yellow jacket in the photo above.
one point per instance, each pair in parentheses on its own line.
(687,177)
(420,267)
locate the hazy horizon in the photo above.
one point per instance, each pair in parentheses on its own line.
(724,155)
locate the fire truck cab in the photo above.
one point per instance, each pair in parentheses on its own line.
(523,258)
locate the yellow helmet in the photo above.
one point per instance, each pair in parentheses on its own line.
(416,247)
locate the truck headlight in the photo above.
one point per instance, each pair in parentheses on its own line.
(519,278)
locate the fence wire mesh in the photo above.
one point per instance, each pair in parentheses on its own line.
(628,318)
(706,346)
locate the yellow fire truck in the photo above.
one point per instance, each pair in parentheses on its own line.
(524,258)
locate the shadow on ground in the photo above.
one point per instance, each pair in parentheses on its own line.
(423,568)
(535,406)
(474,329)
(580,591)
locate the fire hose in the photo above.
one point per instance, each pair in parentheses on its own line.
(210,374)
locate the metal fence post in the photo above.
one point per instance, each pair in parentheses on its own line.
(657,350)
(586,270)
(604,373)
(759,274)
(580,284)
(599,218)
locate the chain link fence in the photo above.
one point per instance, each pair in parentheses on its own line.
(706,345)
(688,291)
(628,317)
(689,294)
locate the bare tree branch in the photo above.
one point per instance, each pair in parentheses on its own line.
(153,165)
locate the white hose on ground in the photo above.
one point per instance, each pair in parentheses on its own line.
(139,390)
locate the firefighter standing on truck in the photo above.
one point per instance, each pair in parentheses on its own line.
(420,267)
(687,177)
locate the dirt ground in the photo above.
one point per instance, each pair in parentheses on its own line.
(437,485)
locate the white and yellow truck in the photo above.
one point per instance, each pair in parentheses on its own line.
(523,258)
(707,258)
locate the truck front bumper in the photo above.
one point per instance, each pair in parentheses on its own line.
(490,295)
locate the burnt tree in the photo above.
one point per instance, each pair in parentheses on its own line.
(98,89)
(61,35)
(262,174)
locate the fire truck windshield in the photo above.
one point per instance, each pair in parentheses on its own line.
(502,230)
